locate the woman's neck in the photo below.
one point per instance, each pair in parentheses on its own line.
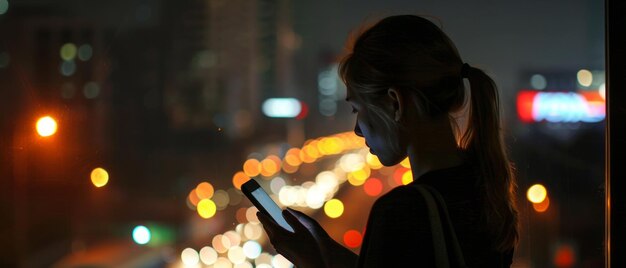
(433,148)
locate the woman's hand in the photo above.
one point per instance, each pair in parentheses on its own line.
(302,247)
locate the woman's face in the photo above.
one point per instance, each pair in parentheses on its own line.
(382,140)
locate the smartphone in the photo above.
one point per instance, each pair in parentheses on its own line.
(264,203)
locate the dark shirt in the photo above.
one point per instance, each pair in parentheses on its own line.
(398,230)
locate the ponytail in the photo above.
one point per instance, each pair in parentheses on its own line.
(483,141)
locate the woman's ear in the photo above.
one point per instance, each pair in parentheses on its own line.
(397,102)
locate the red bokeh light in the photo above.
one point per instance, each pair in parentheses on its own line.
(352,239)
(373,187)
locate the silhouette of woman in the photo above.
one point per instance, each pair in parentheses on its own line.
(405,82)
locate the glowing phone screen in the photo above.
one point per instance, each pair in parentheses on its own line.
(272,208)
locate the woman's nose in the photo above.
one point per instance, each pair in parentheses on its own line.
(357,130)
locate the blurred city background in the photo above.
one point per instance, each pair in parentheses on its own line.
(127,127)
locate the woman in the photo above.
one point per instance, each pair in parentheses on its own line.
(405,83)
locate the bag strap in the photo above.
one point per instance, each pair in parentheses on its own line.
(433,200)
(456,247)
(439,242)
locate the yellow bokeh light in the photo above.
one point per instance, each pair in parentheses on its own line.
(46,126)
(68,51)
(407,177)
(99,177)
(359,175)
(405,163)
(536,193)
(333,208)
(206,208)
(252,167)
(204,190)
(373,161)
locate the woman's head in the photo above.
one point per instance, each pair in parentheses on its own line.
(403,59)
(404,76)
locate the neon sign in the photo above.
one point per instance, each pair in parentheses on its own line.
(567,107)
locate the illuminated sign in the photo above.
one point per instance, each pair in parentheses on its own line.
(567,107)
(284,108)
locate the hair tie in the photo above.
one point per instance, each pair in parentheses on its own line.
(465,70)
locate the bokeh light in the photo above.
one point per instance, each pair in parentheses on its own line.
(252,231)
(46,126)
(193,197)
(252,249)
(406,163)
(141,235)
(536,193)
(538,82)
(4,6)
(333,208)
(602,91)
(276,184)
(235,196)
(407,177)
(218,243)
(565,256)
(352,239)
(239,179)
(263,259)
(373,187)
(251,214)
(99,177)
(279,261)
(221,199)
(373,161)
(292,157)
(190,257)
(206,208)
(204,190)
(245,264)
(268,167)
(543,206)
(68,51)
(223,262)
(91,90)
(252,167)
(584,77)
(67,68)
(233,237)
(85,52)
(208,255)
(235,255)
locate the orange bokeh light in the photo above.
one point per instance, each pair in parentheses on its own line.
(269,167)
(373,187)
(252,167)
(193,197)
(543,206)
(204,190)
(240,178)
